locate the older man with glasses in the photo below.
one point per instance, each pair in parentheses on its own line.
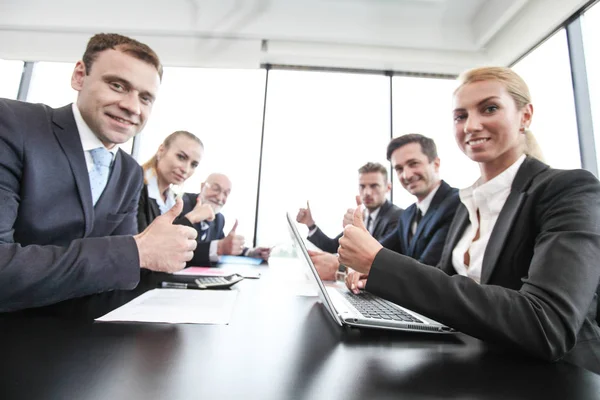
(203,212)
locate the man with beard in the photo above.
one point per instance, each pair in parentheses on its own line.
(380,216)
(203,212)
(422,229)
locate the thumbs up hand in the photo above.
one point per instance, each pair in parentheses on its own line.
(201,212)
(305,216)
(349,216)
(232,244)
(165,247)
(357,247)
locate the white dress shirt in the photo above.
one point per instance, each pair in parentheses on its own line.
(488,198)
(89,141)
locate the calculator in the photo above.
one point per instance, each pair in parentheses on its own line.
(217,282)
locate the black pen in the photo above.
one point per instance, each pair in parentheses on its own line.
(178,285)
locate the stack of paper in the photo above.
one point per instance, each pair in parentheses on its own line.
(177,306)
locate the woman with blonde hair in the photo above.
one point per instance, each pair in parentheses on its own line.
(520,263)
(174,162)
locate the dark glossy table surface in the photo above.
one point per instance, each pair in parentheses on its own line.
(277,346)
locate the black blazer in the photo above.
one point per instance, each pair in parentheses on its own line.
(148,209)
(54,244)
(539,276)
(386,222)
(427,243)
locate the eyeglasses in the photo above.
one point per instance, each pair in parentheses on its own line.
(217,189)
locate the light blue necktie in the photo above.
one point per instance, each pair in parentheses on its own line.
(100,171)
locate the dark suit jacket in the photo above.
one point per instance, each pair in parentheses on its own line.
(539,276)
(386,222)
(148,209)
(427,243)
(54,244)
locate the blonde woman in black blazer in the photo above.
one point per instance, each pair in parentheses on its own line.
(538,272)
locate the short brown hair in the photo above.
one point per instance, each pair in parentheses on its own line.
(104,41)
(428,146)
(374,167)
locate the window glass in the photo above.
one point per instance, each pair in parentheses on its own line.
(547,72)
(424,105)
(591,32)
(10,78)
(320,128)
(224,109)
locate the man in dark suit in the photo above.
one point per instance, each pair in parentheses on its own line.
(203,212)
(381,216)
(423,227)
(69,196)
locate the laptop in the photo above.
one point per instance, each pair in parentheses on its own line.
(364,310)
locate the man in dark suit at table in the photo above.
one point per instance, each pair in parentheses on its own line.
(69,196)
(381,216)
(423,227)
(203,212)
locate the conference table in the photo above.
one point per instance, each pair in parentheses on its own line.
(280,344)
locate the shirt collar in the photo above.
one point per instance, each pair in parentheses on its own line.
(154,193)
(373,214)
(424,204)
(89,140)
(486,192)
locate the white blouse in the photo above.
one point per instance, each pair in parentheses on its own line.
(153,193)
(488,198)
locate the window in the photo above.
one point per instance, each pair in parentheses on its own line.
(224,109)
(320,128)
(547,72)
(51,84)
(591,31)
(424,105)
(10,78)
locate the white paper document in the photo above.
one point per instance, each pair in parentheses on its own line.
(177,306)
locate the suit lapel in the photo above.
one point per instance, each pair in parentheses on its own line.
(506,219)
(65,130)
(379,221)
(439,196)
(408,215)
(457,228)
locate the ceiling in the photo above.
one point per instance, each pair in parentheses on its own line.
(431,36)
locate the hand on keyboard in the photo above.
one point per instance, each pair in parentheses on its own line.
(356,281)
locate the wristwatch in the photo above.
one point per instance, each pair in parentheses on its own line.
(341,273)
(313,226)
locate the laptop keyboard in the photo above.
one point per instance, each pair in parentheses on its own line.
(371,306)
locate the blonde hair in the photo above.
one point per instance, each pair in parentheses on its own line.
(516,88)
(153,161)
